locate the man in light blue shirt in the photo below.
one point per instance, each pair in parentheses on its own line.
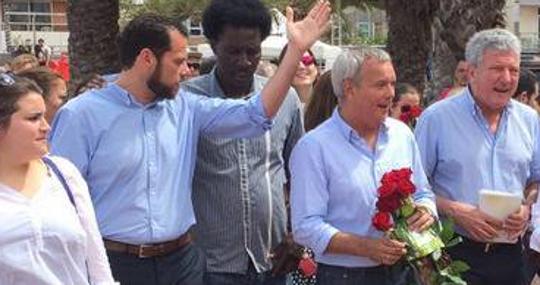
(135,142)
(481,139)
(336,170)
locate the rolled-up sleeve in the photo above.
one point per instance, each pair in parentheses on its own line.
(230,118)
(309,198)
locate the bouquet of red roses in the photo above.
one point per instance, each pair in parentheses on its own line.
(409,114)
(424,250)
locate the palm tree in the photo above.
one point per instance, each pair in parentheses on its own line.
(455,22)
(93,27)
(410,37)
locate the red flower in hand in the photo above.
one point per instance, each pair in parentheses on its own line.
(406,188)
(388,204)
(382,221)
(390,179)
(403,174)
(386,190)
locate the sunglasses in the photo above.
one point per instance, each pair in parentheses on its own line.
(194,65)
(6,80)
(405,108)
(307,60)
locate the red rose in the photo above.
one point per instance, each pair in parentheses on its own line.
(388,204)
(415,112)
(404,173)
(390,179)
(382,221)
(406,188)
(386,190)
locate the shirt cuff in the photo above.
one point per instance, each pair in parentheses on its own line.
(430,206)
(320,245)
(257,113)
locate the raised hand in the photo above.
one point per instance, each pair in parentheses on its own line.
(304,33)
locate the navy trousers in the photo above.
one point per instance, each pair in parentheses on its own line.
(182,267)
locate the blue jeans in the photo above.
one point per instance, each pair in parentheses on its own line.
(380,275)
(182,267)
(250,278)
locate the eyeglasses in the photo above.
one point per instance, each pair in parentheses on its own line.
(6,80)
(307,60)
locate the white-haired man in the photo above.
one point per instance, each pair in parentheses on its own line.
(336,169)
(481,139)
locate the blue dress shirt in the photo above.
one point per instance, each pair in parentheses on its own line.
(461,156)
(334,181)
(138,160)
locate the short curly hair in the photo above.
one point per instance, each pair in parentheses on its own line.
(236,13)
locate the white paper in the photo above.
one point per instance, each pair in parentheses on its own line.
(499,205)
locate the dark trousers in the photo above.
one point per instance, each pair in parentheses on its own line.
(250,278)
(181,267)
(380,275)
(502,264)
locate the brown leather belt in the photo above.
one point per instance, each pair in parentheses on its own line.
(149,250)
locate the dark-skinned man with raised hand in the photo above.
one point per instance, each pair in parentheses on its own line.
(238,184)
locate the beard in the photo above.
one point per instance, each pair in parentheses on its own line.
(161,90)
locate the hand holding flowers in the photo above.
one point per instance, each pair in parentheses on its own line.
(411,225)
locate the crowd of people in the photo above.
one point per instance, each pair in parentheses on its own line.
(230,170)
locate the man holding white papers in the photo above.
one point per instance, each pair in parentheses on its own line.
(481,139)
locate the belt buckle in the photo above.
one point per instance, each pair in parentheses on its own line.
(141,251)
(487,247)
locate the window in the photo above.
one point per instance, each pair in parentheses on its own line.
(365,30)
(29,15)
(195,28)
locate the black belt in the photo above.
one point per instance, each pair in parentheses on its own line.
(486,246)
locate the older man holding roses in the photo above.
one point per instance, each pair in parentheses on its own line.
(336,171)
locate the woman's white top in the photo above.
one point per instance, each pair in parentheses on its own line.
(44,240)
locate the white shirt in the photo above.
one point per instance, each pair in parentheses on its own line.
(44,240)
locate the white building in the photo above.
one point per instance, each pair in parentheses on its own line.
(523,19)
(26,21)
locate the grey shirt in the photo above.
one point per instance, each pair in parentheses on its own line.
(238,186)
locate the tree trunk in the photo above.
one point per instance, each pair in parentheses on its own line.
(93,27)
(410,38)
(456,21)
